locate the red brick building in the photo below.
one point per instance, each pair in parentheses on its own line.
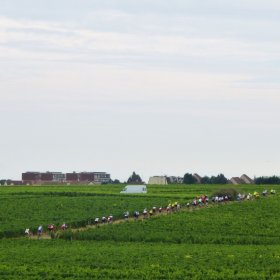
(31,178)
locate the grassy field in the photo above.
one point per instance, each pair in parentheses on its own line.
(229,241)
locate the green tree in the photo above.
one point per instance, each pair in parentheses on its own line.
(205,180)
(221,179)
(134,179)
(273,180)
(189,179)
(116,181)
(2,182)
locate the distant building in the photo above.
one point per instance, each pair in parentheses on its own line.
(158,180)
(236,181)
(246,179)
(35,178)
(9,182)
(88,177)
(53,177)
(165,180)
(197,178)
(135,189)
(31,178)
(15,183)
(175,180)
(72,177)
(102,177)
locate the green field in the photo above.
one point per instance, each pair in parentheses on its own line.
(239,240)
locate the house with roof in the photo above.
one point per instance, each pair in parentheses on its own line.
(246,179)
(158,180)
(236,181)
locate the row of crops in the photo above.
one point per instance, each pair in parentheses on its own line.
(59,259)
(28,207)
(20,212)
(248,222)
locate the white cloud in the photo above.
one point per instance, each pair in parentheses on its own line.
(30,37)
(182,89)
(10,23)
(87,57)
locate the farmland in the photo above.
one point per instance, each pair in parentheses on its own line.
(229,241)
(22,207)
(30,206)
(248,222)
(57,259)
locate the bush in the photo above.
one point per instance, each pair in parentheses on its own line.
(230,192)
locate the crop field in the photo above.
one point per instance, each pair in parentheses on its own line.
(238,240)
(248,222)
(22,207)
(58,259)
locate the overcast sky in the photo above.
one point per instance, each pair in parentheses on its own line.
(157,87)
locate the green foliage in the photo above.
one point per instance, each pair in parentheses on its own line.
(230,192)
(3,182)
(29,206)
(24,211)
(134,179)
(189,179)
(221,224)
(220,179)
(273,180)
(59,259)
(116,181)
(205,180)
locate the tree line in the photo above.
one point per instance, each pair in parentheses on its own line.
(219,179)
(189,179)
(273,180)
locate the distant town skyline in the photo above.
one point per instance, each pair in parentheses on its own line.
(34,177)
(148,86)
